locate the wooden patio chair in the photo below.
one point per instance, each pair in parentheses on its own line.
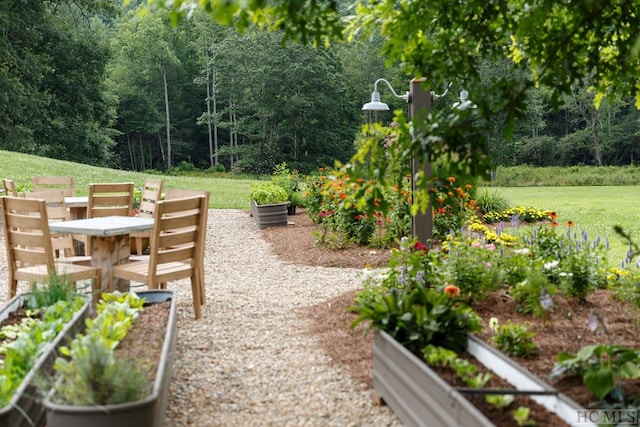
(107,199)
(175,248)
(179,193)
(110,199)
(66,184)
(151,194)
(29,248)
(9,187)
(64,248)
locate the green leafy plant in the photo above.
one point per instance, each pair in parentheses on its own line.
(288,179)
(89,373)
(534,294)
(267,193)
(417,315)
(30,342)
(465,370)
(513,339)
(522,415)
(602,368)
(500,401)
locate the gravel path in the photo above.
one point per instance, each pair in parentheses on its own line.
(247,361)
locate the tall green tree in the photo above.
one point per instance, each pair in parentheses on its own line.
(146,56)
(52,92)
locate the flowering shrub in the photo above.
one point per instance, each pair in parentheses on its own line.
(453,206)
(343,218)
(418,315)
(524,214)
(472,265)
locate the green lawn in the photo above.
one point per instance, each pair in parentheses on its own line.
(594,209)
(225,193)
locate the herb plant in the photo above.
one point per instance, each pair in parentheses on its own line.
(89,373)
(513,339)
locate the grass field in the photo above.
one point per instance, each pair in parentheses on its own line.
(596,209)
(225,193)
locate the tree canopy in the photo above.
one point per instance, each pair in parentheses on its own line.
(554,43)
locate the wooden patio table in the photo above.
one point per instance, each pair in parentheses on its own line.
(109,242)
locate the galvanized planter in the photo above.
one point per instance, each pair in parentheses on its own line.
(148,412)
(419,396)
(269,215)
(24,409)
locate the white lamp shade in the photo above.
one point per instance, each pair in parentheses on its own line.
(375,104)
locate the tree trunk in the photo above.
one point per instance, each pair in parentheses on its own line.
(215,111)
(166,108)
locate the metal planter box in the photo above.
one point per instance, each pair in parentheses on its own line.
(24,409)
(419,397)
(148,412)
(269,215)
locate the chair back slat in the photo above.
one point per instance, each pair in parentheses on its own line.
(66,184)
(151,193)
(9,187)
(27,234)
(108,199)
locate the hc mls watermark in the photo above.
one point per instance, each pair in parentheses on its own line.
(608,417)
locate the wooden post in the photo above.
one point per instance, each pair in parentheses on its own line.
(419,107)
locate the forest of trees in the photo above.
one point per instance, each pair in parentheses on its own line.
(99,83)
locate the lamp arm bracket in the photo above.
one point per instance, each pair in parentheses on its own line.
(436,96)
(375,89)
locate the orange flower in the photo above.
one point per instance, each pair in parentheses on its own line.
(554,224)
(452,290)
(552,215)
(452,179)
(468,186)
(569,223)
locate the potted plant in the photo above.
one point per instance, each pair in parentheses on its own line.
(290,181)
(33,327)
(269,204)
(95,384)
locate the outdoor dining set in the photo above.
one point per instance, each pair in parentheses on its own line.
(50,231)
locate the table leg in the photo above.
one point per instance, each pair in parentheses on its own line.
(78,212)
(107,252)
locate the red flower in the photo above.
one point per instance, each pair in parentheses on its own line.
(419,246)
